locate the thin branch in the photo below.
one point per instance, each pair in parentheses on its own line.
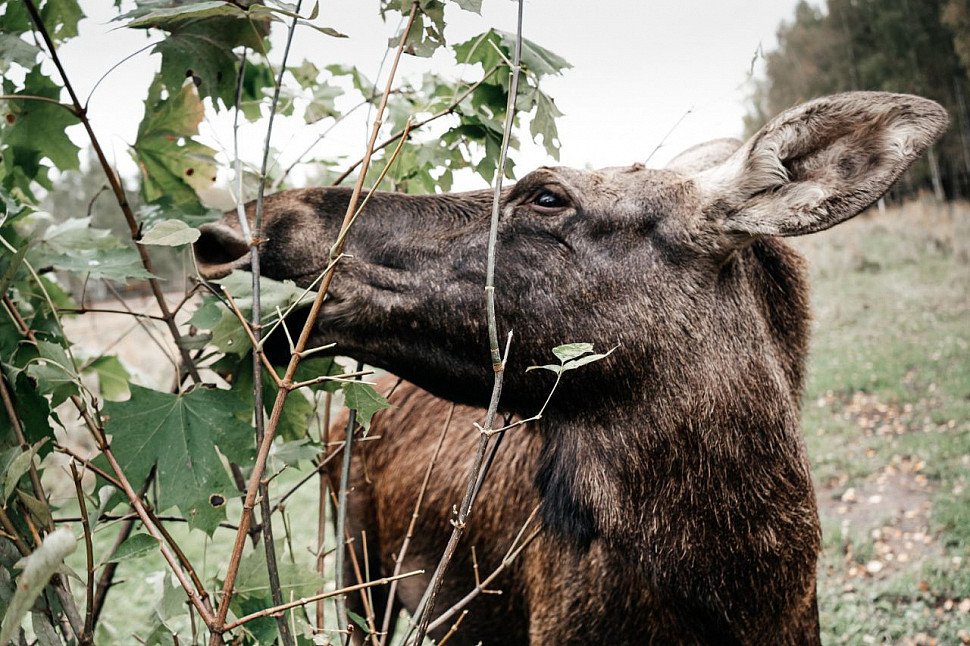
(266,612)
(119,191)
(342,509)
(479,589)
(257,348)
(259,466)
(454,628)
(87,635)
(399,560)
(85,310)
(322,486)
(498,361)
(43,99)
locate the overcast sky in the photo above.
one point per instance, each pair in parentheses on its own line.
(638,68)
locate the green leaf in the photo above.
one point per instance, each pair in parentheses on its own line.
(202,37)
(544,123)
(538,60)
(14,49)
(470,5)
(322,104)
(34,130)
(61,18)
(15,462)
(180,433)
(112,377)
(571,350)
(54,372)
(582,361)
(549,366)
(170,233)
(173,165)
(360,82)
(74,245)
(38,568)
(171,16)
(363,398)
(135,546)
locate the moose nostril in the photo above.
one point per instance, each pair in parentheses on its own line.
(217,247)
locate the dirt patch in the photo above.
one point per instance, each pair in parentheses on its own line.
(890,513)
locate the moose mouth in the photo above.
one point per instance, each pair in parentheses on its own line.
(220,250)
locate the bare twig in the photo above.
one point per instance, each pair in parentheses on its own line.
(399,561)
(342,509)
(266,612)
(322,487)
(85,310)
(453,629)
(259,466)
(423,615)
(255,331)
(87,635)
(257,348)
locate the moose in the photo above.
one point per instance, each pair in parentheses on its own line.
(677,504)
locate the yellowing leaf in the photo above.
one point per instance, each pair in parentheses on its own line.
(173,165)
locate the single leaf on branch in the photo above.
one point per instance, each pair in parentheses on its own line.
(14,464)
(572,356)
(170,233)
(134,547)
(173,165)
(363,398)
(112,377)
(53,372)
(31,131)
(180,433)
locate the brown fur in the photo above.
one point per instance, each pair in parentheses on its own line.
(676,498)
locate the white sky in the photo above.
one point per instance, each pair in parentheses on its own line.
(638,67)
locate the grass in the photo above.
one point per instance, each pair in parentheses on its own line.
(886,420)
(887,423)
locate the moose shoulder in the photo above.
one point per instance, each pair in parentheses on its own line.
(676,499)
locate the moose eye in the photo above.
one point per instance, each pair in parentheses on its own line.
(547,199)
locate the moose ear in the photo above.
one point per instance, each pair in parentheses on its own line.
(703,156)
(819,164)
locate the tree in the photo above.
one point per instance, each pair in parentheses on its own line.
(888,45)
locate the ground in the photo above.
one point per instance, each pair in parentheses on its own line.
(886,421)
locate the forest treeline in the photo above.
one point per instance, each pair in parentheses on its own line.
(915,46)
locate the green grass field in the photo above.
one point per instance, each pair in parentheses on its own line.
(886,420)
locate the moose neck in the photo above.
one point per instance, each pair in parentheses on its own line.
(680,467)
